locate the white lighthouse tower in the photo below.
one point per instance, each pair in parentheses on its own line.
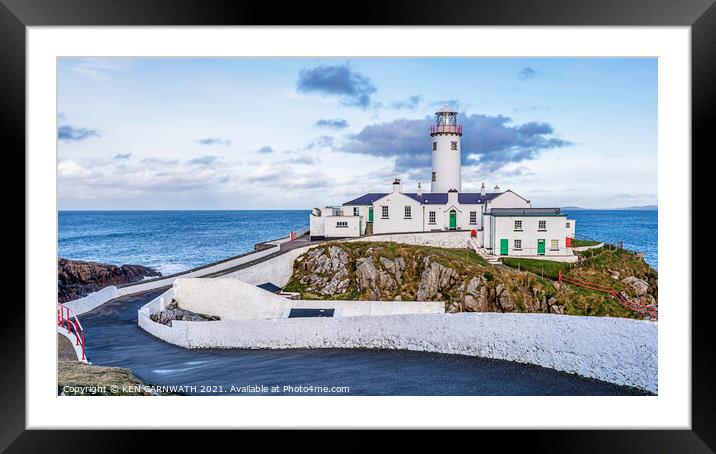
(445,136)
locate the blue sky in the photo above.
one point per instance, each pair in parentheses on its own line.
(294,133)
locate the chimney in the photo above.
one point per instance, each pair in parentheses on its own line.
(452,196)
(482,189)
(396,185)
(420,190)
(497,189)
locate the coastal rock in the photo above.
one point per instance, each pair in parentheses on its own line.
(433,279)
(504,299)
(78,278)
(639,286)
(366,276)
(173,312)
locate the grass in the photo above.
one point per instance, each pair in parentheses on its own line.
(544,268)
(582,243)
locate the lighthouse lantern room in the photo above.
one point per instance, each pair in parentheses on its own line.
(445,135)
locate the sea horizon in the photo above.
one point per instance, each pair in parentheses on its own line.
(173,241)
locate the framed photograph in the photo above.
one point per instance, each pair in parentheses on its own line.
(473,215)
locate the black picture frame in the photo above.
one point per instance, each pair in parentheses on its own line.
(700,15)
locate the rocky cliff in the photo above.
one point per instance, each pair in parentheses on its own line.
(78,278)
(460,278)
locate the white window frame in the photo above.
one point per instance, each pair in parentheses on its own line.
(517,246)
(432,217)
(384,213)
(567,225)
(356,211)
(542,225)
(341,224)
(408,212)
(473,217)
(551,245)
(518,226)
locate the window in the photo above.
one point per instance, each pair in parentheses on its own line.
(554,245)
(542,226)
(431,217)
(433,176)
(356,211)
(408,212)
(518,225)
(567,225)
(518,245)
(342,224)
(384,212)
(453,145)
(435,146)
(473,217)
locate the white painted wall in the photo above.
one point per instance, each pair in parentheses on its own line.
(503,227)
(232,299)
(446,163)
(508,199)
(448,239)
(277,270)
(617,350)
(333,227)
(396,221)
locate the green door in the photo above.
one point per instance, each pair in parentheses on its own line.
(503,246)
(370,214)
(453,220)
(540,247)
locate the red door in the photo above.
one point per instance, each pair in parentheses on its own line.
(569,242)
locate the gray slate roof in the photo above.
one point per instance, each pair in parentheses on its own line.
(428,198)
(526,212)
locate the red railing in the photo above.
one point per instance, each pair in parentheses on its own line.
(446,129)
(67,320)
(624,301)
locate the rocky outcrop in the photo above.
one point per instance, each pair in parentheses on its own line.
(395,272)
(77,278)
(327,273)
(640,286)
(435,279)
(174,312)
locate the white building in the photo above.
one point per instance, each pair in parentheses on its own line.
(503,222)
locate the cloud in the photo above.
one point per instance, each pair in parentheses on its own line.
(410,103)
(265,150)
(121,157)
(214,141)
(321,142)
(281,176)
(71,134)
(526,73)
(336,123)
(490,142)
(303,159)
(353,88)
(127,178)
(204,160)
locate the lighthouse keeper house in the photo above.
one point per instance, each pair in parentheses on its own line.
(504,223)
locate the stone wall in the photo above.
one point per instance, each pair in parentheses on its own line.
(450,239)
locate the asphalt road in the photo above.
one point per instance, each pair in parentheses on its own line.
(114,339)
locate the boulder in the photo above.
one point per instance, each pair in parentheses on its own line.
(640,287)
(366,276)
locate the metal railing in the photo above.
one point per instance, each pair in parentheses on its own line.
(624,301)
(446,129)
(67,320)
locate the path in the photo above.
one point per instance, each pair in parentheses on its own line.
(116,340)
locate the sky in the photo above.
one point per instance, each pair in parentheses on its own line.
(297,133)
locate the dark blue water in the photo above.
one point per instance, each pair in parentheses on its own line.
(173,241)
(170,241)
(638,229)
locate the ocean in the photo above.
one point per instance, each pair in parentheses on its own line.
(174,241)
(637,229)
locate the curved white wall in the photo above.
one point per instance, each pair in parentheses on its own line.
(617,350)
